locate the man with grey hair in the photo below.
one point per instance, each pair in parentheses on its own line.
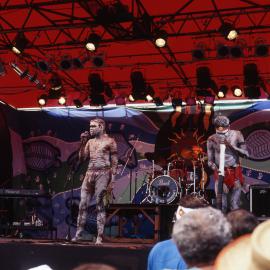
(235,146)
(100,175)
(200,235)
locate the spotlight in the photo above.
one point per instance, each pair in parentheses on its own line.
(65,63)
(222,51)
(43,66)
(24,74)
(222,91)
(205,82)
(236,51)
(97,100)
(237,91)
(98,61)
(77,103)
(228,31)
(131,98)
(92,42)
(198,54)
(62,100)
(158,101)
(20,43)
(77,63)
(149,98)
(140,89)
(251,81)
(160,38)
(261,50)
(42,100)
(209,100)
(55,82)
(177,104)
(120,100)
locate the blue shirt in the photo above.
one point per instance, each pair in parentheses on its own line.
(165,256)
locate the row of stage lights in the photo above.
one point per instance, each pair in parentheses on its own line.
(159,38)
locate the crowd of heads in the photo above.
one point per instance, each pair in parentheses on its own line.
(205,237)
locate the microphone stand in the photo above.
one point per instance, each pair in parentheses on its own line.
(130,172)
(68,237)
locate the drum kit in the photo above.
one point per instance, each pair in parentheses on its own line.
(184,175)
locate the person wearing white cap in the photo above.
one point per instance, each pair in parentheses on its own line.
(164,254)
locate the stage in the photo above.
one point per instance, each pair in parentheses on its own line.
(21,254)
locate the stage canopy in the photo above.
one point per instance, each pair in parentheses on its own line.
(168,50)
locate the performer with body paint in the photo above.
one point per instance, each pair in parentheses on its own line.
(100,175)
(234,147)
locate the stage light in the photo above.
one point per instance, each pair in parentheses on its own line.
(228,31)
(222,91)
(159,102)
(98,89)
(92,42)
(77,103)
(205,82)
(177,104)
(191,101)
(42,100)
(97,100)
(149,98)
(62,100)
(120,100)
(98,61)
(198,54)
(261,50)
(24,74)
(222,51)
(77,63)
(160,38)
(251,81)
(237,91)
(209,100)
(55,82)
(20,43)
(43,66)
(140,89)
(65,63)
(131,98)
(236,51)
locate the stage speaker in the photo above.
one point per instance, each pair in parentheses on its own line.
(166,218)
(260,200)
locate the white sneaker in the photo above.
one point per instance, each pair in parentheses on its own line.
(98,240)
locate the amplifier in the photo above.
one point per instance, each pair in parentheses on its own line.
(260,200)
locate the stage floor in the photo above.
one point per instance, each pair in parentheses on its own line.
(22,254)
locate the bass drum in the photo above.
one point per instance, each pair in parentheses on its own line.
(163,190)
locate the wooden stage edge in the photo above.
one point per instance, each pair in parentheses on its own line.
(23,254)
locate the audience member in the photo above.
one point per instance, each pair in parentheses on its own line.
(200,235)
(242,222)
(165,255)
(94,266)
(248,252)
